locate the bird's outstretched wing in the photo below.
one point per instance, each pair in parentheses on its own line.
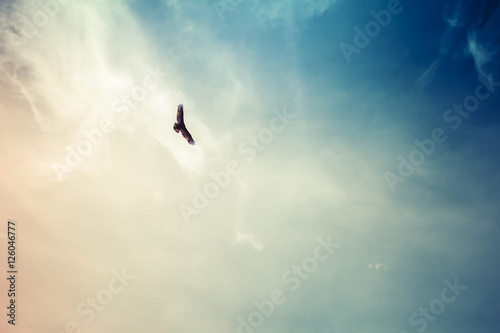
(180,114)
(185,133)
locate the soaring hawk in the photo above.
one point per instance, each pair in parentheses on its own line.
(180,126)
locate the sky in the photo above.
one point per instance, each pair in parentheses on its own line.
(344,177)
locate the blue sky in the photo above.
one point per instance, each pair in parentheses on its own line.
(297,146)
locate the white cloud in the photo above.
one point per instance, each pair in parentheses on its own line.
(289,15)
(480,54)
(242,238)
(376,266)
(454,22)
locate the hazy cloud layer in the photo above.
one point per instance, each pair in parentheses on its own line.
(292,147)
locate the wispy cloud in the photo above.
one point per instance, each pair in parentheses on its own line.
(376,266)
(288,13)
(481,55)
(463,29)
(454,23)
(245,238)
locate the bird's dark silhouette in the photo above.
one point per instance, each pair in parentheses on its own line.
(180,126)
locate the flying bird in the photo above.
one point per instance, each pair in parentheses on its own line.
(180,126)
